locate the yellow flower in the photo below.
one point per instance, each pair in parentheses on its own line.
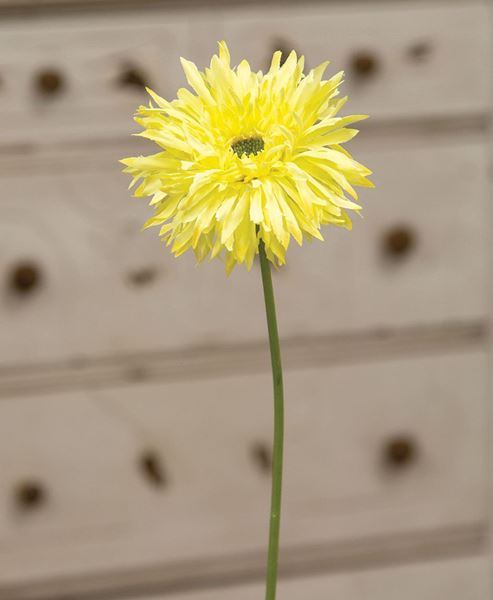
(248,157)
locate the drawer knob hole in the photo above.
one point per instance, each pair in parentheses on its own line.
(399,241)
(132,77)
(152,469)
(400,452)
(30,495)
(420,51)
(50,82)
(262,457)
(25,278)
(142,277)
(365,64)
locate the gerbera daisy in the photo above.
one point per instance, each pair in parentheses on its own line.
(248,157)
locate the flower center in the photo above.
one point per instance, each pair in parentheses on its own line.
(251,145)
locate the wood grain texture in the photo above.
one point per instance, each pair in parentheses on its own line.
(118,357)
(204,363)
(453,580)
(243,570)
(102,513)
(410,46)
(107,288)
(91,54)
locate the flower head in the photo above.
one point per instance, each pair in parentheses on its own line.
(248,157)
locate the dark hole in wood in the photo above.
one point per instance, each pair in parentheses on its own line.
(30,494)
(262,457)
(152,468)
(420,51)
(400,451)
(50,82)
(133,77)
(25,278)
(365,63)
(142,277)
(399,241)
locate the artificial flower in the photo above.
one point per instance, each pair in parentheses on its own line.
(246,157)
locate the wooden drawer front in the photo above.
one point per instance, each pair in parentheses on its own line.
(103,287)
(447,580)
(83,77)
(400,61)
(80,78)
(180,470)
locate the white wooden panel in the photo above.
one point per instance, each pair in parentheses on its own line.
(448,580)
(101,512)
(91,54)
(422,51)
(108,288)
(412,44)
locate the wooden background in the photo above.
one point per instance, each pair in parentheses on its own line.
(135,395)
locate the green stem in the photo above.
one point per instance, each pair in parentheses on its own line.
(277,451)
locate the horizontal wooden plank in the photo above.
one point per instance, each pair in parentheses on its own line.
(102,60)
(104,288)
(204,363)
(400,59)
(452,580)
(207,492)
(241,574)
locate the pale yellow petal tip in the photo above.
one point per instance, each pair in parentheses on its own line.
(321,68)
(224,51)
(292,57)
(187,64)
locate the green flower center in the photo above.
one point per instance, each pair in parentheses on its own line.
(252,145)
